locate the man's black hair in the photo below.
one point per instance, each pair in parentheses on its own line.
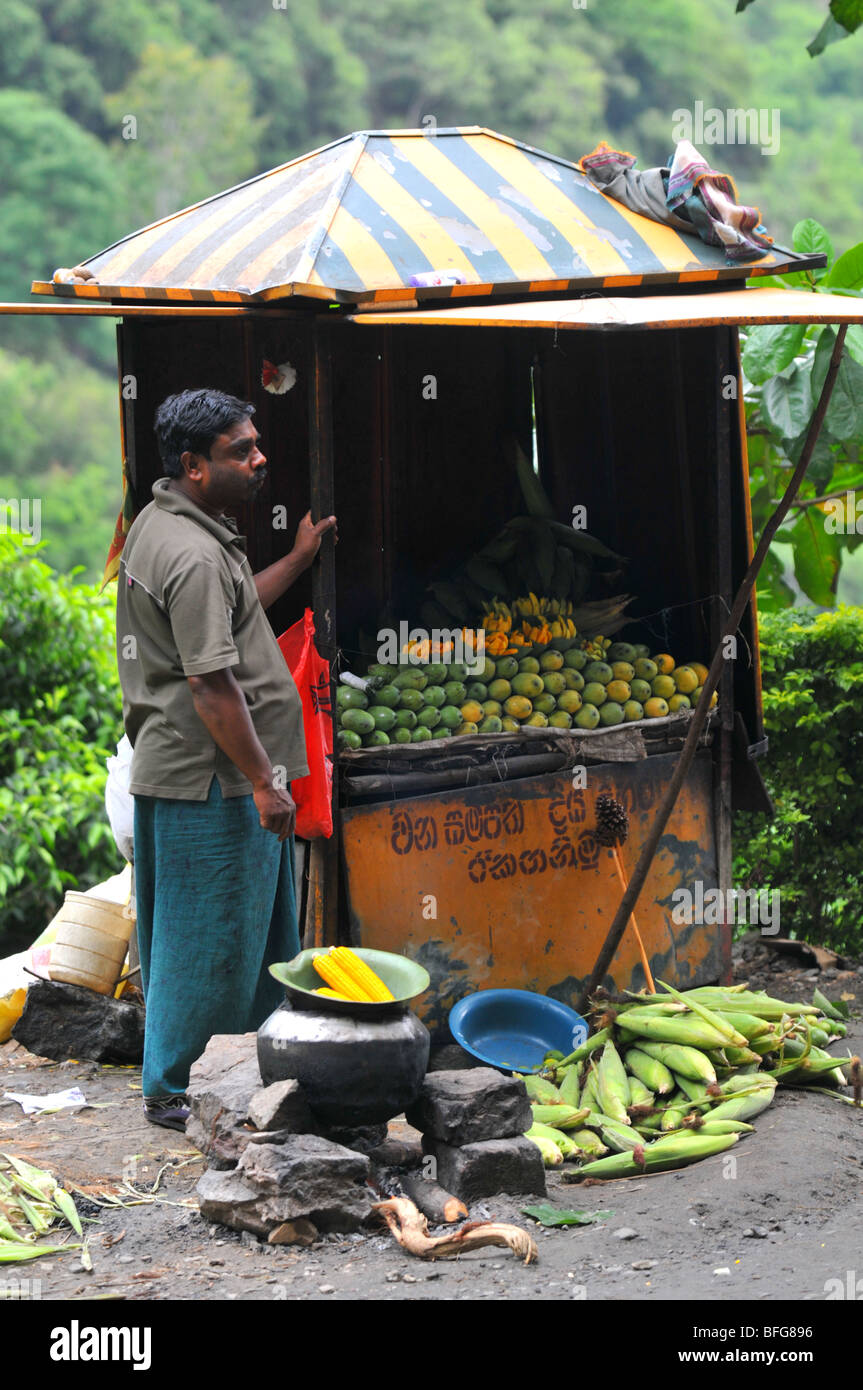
(191,421)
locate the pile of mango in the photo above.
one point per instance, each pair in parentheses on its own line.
(557,689)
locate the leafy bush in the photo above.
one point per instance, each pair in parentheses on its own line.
(813,688)
(60,719)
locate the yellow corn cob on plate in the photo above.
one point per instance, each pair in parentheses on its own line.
(403,977)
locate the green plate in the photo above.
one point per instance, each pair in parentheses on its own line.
(403,976)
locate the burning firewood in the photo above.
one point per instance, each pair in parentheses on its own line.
(410,1229)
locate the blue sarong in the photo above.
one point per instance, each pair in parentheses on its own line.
(216,905)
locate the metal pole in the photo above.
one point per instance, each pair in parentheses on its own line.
(717,666)
(321,925)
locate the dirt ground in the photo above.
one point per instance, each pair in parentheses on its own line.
(780,1221)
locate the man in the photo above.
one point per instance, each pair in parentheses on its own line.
(216,724)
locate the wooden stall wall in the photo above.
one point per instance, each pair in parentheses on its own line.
(165,357)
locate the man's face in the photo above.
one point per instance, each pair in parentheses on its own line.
(235,471)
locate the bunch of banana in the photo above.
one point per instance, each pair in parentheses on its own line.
(667,1080)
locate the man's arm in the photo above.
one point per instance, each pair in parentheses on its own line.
(272,582)
(221,706)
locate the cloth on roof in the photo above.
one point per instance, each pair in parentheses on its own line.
(688,195)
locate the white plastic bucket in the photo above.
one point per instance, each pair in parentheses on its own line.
(91,942)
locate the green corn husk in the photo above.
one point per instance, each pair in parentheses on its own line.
(732,1084)
(673,1115)
(34,1215)
(721,1025)
(686,1061)
(699,1125)
(639,1094)
(563,1141)
(588,1090)
(559,1116)
(761,1005)
(615,1135)
(686,1030)
(770,1042)
(650,1124)
(671,1152)
(551,1155)
(569,1088)
(37,1182)
(612,1084)
(693,1090)
(540,1091)
(649,1071)
(11,1251)
(66,1206)
(809,1069)
(747,1024)
(826,1006)
(744,1106)
(588,1142)
(740,1056)
(590,1045)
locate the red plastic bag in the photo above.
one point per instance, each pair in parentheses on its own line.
(313,794)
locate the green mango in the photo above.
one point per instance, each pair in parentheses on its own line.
(450,716)
(429,717)
(384,717)
(376,739)
(410,678)
(400,735)
(349,698)
(388,695)
(347,739)
(359,721)
(406,719)
(412,699)
(455,692)
(377,668)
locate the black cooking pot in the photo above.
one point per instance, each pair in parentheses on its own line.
(353,1070)
(358,1064)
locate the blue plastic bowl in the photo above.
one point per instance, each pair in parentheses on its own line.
(513,1029)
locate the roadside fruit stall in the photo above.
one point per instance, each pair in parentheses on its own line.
(523,401)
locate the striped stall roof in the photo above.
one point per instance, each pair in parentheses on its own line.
(356,220)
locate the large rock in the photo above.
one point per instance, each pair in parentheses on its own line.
(282,1106)
(64,1021)
(304,1177)
(482,1170)
(221,1085)
(471,1106)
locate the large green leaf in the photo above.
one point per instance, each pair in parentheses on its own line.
(830,32)
(816,558)
(771,588)
(854,341)
(844,418)
(847,271)
(786,402)
(547,1215)
(848,13)
(811,239)
(770,348)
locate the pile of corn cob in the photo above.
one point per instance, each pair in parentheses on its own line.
(31,1204)
(348,977)
(670,1078)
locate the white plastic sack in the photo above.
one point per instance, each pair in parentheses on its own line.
(119,802)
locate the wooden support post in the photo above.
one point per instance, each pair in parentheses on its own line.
(722,572)
(321,925)
(645,859)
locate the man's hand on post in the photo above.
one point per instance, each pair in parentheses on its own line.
(307,541)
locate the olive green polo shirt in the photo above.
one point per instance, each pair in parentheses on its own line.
(186,605)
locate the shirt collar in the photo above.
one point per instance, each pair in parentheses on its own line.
(224,527)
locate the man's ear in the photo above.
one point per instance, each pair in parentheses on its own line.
(190,464)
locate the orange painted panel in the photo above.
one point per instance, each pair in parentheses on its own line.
(505,886)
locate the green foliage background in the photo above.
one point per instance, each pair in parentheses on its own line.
(59,720)
(813,687)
